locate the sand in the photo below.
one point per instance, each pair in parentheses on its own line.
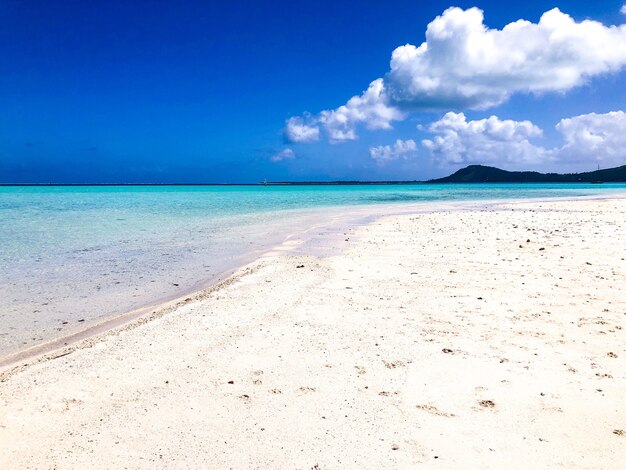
(458,339)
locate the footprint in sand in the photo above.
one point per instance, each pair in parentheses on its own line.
(393,365)
(256,380)
(65,405)
(433,410)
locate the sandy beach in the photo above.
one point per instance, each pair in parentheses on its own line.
(455,339)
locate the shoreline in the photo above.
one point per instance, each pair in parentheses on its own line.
(53,287)
(468,338)
(358,216)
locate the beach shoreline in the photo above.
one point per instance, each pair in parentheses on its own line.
(482,338)
(63,274)
(298,242)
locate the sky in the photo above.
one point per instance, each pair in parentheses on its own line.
(226,92)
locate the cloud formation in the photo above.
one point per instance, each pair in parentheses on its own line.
(463,64)
(596,137)
(286,154)
(589,138)
(297,130)
(458,141)
(369,109)
(386,153)
(623,9)
(340,124)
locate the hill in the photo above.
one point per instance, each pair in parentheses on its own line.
(489,174)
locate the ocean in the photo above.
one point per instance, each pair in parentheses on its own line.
(73,255)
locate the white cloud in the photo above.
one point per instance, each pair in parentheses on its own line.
(594,137)
(623,9)
(297,130)
(490,140)
(463,64)
(386,153)
(369,109)
(588,138)
(286,154)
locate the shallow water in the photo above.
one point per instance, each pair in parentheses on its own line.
(74,254)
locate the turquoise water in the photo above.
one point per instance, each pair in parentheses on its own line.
(82,253)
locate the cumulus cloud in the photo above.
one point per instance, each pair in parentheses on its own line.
(587,138)
(463,64)
(297,130)
(386,153)
(369,109)
(340,124)
(490,140)
(596,137)
(286,154)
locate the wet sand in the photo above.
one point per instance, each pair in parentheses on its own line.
(458,339)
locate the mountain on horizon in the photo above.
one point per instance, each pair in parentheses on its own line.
(489,174)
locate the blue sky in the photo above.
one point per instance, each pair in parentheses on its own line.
(204,92)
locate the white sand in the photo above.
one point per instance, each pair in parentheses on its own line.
(444,339)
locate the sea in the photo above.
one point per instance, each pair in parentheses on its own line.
(74,255)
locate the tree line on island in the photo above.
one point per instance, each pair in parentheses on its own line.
(490,174)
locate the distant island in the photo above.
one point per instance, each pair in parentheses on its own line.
(489,174)
(469,174)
